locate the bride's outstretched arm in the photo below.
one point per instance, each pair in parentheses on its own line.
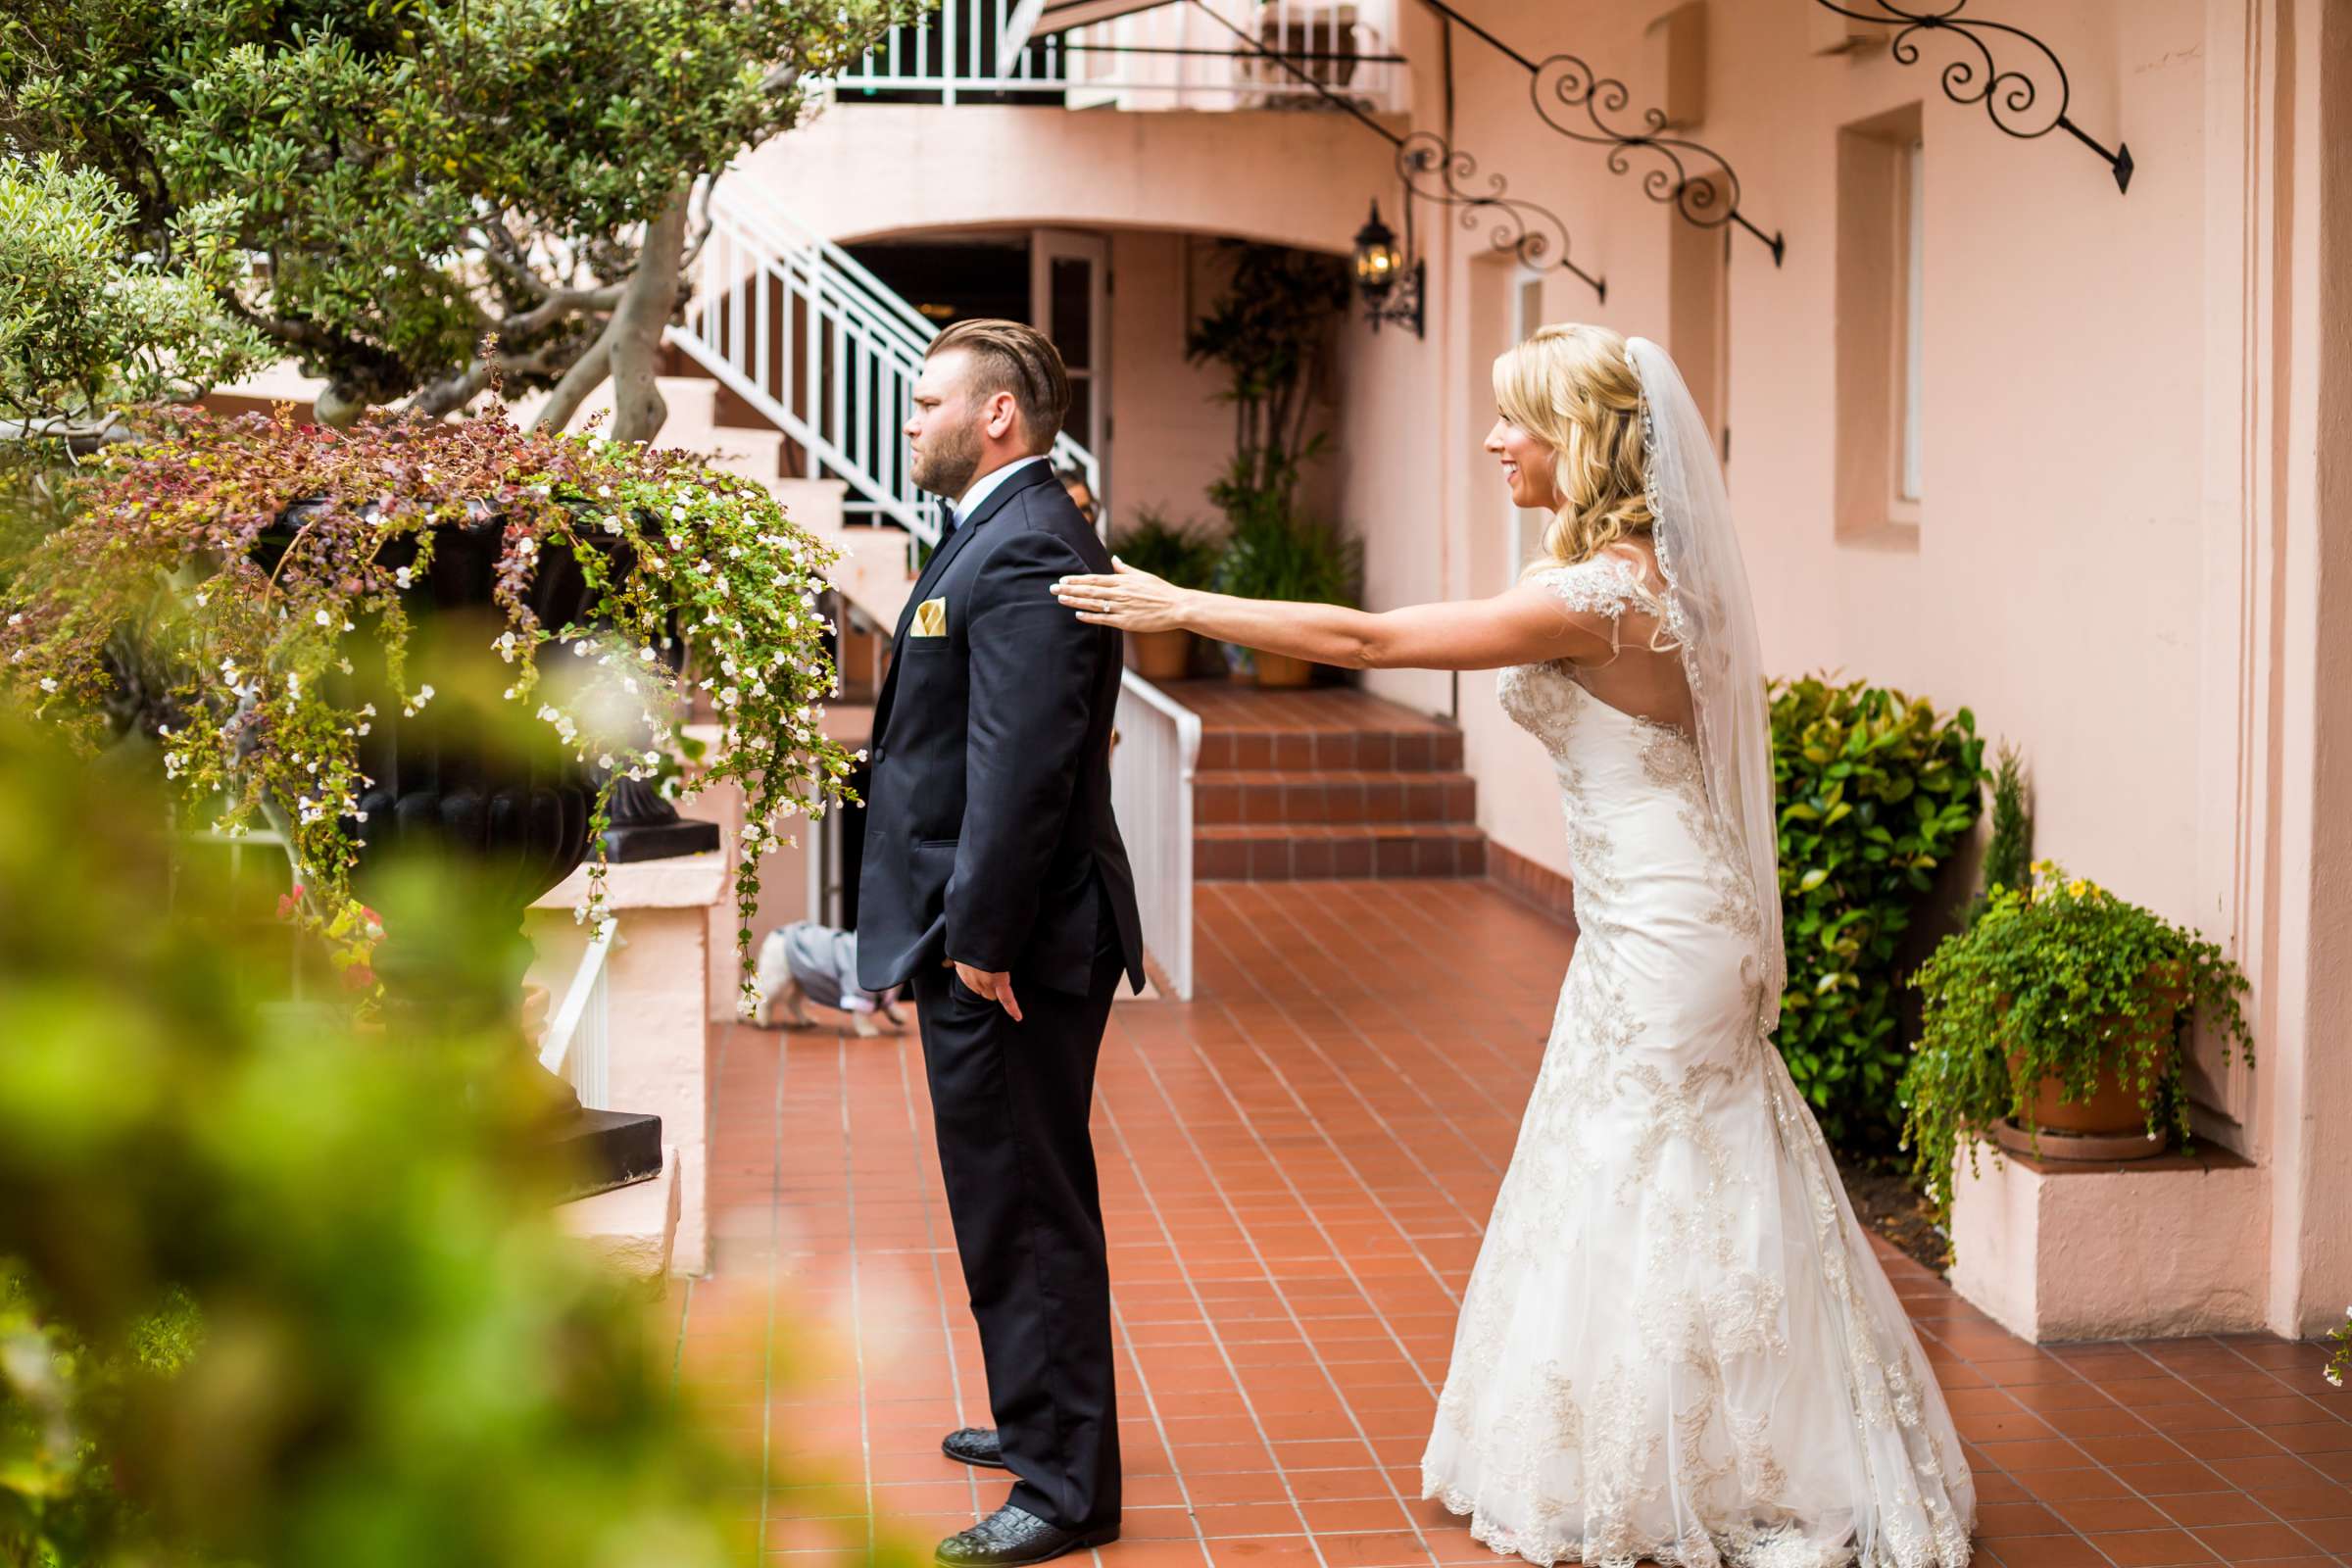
(1527,625)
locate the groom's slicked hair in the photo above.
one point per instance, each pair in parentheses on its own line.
(1008,357)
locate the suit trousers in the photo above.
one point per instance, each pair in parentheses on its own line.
(1011,1104)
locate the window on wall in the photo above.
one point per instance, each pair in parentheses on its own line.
(1880,423)
(1698,312)
(1914,275)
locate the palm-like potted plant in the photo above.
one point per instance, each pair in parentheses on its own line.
(1276,554)
(1180,555)
(2052,1026)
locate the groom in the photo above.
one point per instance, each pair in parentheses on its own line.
(996,887)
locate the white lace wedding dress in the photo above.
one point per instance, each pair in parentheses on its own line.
(1677,1344)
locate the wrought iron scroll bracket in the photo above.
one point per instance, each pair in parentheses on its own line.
(1434,169)
(1576,101)
(2012,98)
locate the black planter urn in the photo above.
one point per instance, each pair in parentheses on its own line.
(484,789)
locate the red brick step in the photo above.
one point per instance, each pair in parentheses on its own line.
(1276,794)
(1327,782)
(1298,852)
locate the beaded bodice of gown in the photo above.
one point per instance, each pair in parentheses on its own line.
(1677,1344)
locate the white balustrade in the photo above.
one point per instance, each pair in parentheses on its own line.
(578,1043)
(824,350)
(1165,57)
(1151,771)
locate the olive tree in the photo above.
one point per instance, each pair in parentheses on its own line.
(88,327)
(431,195)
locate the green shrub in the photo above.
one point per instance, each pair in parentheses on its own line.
(2062,979)
(275,1294)
(1178,553)
(1274,553)
(85,324)
(1876,792)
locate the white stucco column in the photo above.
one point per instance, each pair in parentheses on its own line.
(657,1009)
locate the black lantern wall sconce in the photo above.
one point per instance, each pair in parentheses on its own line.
(1389,279)
(2011,97)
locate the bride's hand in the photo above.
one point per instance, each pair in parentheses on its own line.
(1128,599)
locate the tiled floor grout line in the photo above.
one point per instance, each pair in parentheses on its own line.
(1402,1075)
(848,1199)
(776,1273)
(938,1287)
(1378,910)
(2092,1461)
(1192,1287)
(1378,1203)
(1143,1379)
(2155,1499)
(2276,1517)
(1355,894)
(1388,1129)
(1282,1296)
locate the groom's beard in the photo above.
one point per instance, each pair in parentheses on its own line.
(946,465)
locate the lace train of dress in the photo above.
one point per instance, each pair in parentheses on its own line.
(1677,1344)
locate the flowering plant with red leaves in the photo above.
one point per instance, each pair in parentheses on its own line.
(245,556)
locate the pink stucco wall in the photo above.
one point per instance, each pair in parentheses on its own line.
(2137,430)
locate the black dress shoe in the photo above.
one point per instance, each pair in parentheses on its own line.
(1013,1537)
(978,1445)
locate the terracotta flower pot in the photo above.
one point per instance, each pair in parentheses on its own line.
(1163,654)
(1282,671)
(2112,1123)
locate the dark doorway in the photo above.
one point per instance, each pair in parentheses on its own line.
(955,279)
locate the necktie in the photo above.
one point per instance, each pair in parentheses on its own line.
(947,519)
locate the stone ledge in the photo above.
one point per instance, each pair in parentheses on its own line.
(688,882)
(631,1229)
(2124,1249)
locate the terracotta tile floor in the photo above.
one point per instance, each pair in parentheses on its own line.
(1295,1169)
(1225,705)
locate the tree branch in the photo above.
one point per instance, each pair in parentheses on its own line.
(644,312)
(586,374)
(559,304)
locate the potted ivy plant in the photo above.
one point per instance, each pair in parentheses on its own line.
(2052,1026)
(1276,554)
(1180,555)
(276,583)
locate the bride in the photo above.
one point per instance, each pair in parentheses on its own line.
(1676,1344)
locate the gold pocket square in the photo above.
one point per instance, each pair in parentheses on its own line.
(931,618)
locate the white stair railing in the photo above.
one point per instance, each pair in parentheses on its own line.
(1118,54)
(827,352)
(578,1045)
(1152,768)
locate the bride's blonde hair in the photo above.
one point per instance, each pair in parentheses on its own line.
(1573,387)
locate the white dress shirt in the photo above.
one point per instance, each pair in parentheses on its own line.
(987,485)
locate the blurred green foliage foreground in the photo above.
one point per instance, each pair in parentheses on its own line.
(272,1293)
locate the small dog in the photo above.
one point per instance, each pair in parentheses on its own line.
(803,962)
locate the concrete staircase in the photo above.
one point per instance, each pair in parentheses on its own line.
(1327,783)
(709,420)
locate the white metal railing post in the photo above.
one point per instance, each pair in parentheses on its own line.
(856,347)
(1149,60)
(576,1044)
(1151,769)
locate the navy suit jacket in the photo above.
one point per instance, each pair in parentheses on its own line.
(988,823)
